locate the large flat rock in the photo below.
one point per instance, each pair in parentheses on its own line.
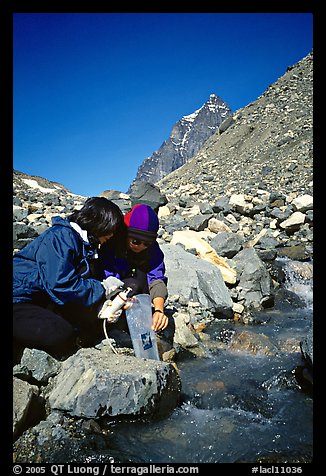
(95,383)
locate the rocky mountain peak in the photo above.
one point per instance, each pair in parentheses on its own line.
(213,105)
(267,145)
(188,135)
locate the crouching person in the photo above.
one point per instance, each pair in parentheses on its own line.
(138,262)
(56,295)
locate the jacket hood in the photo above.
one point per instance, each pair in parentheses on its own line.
(57,220)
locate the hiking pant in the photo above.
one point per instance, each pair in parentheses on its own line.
(54,329)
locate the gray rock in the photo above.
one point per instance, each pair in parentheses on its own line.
(148,194)
(23,393)
(227,244)
(95,383)
(307,347)
(199,222)
(37,364)
(255,283)
(196,280)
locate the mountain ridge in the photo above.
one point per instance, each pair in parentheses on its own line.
(269,143)
(187,137)
(273,131)
(40,181)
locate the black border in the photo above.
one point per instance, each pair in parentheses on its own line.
(7,10)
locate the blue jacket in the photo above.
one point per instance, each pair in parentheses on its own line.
(50,269)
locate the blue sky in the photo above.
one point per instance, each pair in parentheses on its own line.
(97,93)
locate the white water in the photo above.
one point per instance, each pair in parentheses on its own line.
(299,279)
(236,406)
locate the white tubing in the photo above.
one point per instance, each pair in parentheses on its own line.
(107,337)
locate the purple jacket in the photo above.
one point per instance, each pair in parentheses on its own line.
(121,265)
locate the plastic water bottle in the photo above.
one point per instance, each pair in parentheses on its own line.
(139,320)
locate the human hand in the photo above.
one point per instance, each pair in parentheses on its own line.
(160,321)
(111,284)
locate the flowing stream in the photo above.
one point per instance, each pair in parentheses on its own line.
(236,406)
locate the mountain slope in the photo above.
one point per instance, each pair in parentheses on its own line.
(269,144)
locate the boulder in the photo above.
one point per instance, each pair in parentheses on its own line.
(193,240)
(95,383)
(148,194)
(255,283)
(23,394)
(196,280)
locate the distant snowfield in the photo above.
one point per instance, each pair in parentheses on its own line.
(33,183)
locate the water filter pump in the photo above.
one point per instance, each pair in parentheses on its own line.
(118,302)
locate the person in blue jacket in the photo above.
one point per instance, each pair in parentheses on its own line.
(138,261)
(56,293)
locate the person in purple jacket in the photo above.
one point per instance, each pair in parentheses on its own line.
(138,261)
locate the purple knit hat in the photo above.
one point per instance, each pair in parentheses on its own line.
(142,222)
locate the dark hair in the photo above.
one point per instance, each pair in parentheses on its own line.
(99,217)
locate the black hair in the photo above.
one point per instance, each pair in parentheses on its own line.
(99,216)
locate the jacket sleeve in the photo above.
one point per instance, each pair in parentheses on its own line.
(157,265)
(58,257)
(158,289)
(110,265)
(157,281)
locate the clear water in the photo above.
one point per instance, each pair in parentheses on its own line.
(236,407)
